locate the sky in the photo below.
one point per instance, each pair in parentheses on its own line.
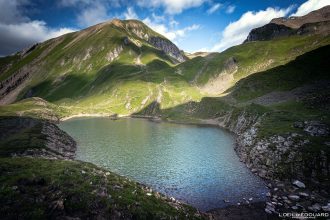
(193,25)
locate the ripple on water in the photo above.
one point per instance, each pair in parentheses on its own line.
(195,164)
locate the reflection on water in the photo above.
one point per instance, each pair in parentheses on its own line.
(194,164)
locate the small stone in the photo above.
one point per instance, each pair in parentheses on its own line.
(299,184)
(294,207)
(304,194)
(250,199)
(107,173)
(326,208)
(226,201)
(287,201)
(238,203)
(269,204)
(270,208)
(316,207)
(149,194)
(268,194)
(58,205)
(294,197)
(268,211)
(83,171)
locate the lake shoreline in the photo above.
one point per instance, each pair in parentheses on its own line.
(204,123)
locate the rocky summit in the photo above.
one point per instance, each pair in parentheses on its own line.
(312,23)
(272,92)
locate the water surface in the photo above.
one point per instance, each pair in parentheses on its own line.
(194,164)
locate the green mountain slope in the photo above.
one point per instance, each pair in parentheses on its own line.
(273,93)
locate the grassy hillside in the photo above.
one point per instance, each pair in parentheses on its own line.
(124,86)
(41,189)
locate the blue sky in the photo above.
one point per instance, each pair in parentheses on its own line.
(194,25)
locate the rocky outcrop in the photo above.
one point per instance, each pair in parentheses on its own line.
(316,22)
(268,32)
(23,136)
(13,82)
(278,156)
(295,22)
(168,47)
(58,141)
(113,54)
(297,176)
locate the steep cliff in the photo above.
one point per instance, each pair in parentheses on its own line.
(22,136)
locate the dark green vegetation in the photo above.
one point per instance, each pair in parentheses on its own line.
(56,189)
(16,140)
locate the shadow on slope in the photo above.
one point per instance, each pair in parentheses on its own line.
(305,69)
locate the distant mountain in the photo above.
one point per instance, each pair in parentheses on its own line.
(316,22)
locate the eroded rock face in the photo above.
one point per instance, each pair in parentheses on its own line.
(168,47)
(58,140)
(268,32)
(111,55)
(272,31)
(13,82)
(278,156)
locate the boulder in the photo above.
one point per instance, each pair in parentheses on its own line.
(299,184)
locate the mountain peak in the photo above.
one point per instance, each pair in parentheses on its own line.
(315,22)
(295,22)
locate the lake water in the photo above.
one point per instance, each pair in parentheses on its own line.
(194,164)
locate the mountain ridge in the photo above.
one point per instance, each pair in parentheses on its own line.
(315,22)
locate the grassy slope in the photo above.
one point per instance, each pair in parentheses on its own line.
(121,87)
(43,189)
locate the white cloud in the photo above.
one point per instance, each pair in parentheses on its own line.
(18,32)
(171,6)
(165,26)
(10,11)
(70,3)
(214,8)
(309,6)
(130,14)
(230,9)
(236,32)
(169,32)
(84,3)
(94,14)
